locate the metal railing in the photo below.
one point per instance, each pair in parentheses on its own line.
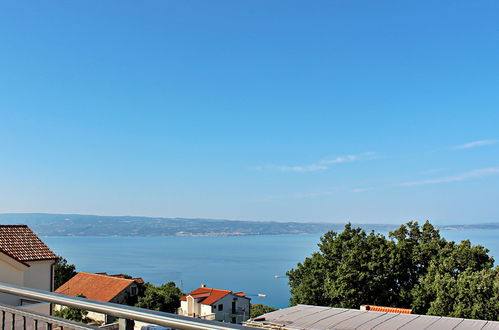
(120,311)
(15,318)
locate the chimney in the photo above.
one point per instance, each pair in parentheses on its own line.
(203,285)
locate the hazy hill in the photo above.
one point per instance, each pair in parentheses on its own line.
(93,225)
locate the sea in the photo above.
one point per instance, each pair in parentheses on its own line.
(255,264)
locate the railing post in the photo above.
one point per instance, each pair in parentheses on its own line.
(126,324)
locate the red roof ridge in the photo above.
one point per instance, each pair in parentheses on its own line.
(386,309)
(213,289)
(108,276)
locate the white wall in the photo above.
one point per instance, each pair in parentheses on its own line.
(196,308)
(182,310)
(11,272)
(39,275)
(206,310)
(242,308)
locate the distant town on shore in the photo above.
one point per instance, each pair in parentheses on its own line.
(92,225)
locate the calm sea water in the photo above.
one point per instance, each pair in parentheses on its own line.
(245,263)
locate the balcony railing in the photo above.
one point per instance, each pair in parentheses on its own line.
(15,318)
(126,314)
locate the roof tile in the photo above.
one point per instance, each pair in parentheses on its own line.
(22,244)
(94,286)
(387,309)
(211,295)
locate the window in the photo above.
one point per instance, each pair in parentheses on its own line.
(134,291)
(220,307)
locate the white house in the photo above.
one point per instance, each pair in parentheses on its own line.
(216,304)
(26,261)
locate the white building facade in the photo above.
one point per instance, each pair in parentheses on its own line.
(216,304)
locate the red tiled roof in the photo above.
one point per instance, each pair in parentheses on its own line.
(211,295)
(22,244)
(94,286)
(388,309)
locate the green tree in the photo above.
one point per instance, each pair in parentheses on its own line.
(415,248)
(413,268)
(165,298)
(455,263)
(259,309)
(469,295)
(350,269)
(71,313)
(63,272)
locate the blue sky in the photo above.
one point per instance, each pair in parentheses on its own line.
(363,111)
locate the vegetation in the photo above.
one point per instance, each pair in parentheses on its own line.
(259,309)
(63,272)
(165,298)
(71,313)
(413,268)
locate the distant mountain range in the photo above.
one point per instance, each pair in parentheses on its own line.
(92,225)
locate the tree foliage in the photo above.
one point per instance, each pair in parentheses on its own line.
(260,309)
(470,294)
(71,313)
(413,268)
(165,298)
(63,272)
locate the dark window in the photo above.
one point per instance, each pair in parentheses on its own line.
(220,307)
(134,291)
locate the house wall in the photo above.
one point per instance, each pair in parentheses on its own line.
(11,272)
(206,310)
(124,295)
(183,308)
(39,275)
(192,306)
(242,309)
